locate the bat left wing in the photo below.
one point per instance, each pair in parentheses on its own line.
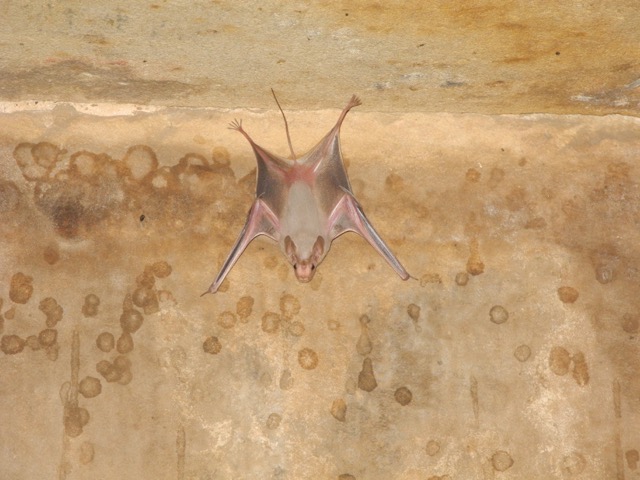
(347,216)
(260,221)
(264,216)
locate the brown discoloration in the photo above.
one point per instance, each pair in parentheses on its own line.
(21,288)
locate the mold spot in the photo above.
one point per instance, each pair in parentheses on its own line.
(567,294)
(403,396)
(308,359)
(462,278)
(227,319)
(108,371)
(90,387)
(366,378)
(339,409)
(346,476)
(604,274)
(270,322)
(212,345)
(364,346)
(49,306)
(36,160)
(9,196)
(432,448)
(161,269)
(413,311)
(244,307)
(51,254)
(296,328)
(574,464)
(140,161)
(86,453)
(90,307)
(66,215)
(394,182)
(47,337)
(498,314)
(273,421)
(333,325)
(20,290)
(289,306)
(131,320)
(630,323)
(10,314)
(11,344)
(147,299)
(105,342)
(286,380)
(522,353)
(124,343)
(633,458)
(580,369)
(473,175)
(475,265)
(559,360)
(75,418)
(501,461)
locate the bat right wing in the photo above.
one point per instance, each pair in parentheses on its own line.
(347,216)
(260,221)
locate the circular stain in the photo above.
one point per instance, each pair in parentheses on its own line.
(227,319)
(212,345)
(498,314)
(501,461)
(522,353)
(462,278)
(90,387)
(403,396)
(413,311)
(270,322)
(559,360)
(244,307)
(105,342)
(161,269)
(86,453)
(273,421)
(47,337)
(131,320)
(11,344)
(296,329)
(289,306)
(308,359)
(567,294)
(109,372)
(124,343)
(432,448)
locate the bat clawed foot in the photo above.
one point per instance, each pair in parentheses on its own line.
(236,125)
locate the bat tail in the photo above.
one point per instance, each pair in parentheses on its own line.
(286,125)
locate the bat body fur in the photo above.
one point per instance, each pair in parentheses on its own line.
(303,204)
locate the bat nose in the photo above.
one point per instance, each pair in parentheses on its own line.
(305,271)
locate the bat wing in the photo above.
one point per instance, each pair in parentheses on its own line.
(333,190)
(260,221)
(264,216)
(348,216)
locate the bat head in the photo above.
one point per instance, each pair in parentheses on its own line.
(304,260)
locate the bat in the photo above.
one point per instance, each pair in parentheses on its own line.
(303,204)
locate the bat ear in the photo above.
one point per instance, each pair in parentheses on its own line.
(289,247)
(318,247)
